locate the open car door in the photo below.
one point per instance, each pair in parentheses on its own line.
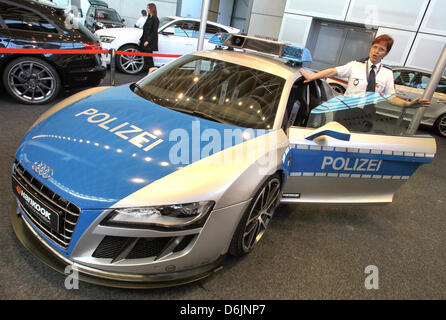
(353,150)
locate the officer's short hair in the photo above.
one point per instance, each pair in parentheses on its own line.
(386,40)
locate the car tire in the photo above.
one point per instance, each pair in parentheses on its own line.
(31,80)
(337,89)
(130,64)
(440,125)
(257,217)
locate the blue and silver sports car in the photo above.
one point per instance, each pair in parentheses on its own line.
(153,183)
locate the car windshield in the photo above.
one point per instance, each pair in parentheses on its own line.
(107,14)
(164,21)
(215,90)
(369,113)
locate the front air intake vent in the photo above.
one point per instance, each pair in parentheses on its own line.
(148,247)
(119,248)
(26,187)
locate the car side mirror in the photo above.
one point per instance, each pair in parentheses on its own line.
(151,70)
(123,20)
(168,31)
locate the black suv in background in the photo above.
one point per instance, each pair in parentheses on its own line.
(99,16)
(38,78)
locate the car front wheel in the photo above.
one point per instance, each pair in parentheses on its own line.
(257,217)
(130,64)
(440,125)
(31,80)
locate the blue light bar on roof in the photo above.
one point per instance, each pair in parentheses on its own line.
(219,38)
(279,49)
(297,54)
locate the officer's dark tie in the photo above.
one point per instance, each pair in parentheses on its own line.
(371,85)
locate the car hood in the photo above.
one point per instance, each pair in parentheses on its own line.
(120,32)
(111,144)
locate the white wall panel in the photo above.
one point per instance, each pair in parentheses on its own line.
(401,14)
(191,8)
(264,26)
(295,29)
(213,10)
(268,7)
(328,9)
(401,46)
(131,10)
(435,19)
(426,51)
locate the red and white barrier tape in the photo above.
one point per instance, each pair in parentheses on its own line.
(83,51)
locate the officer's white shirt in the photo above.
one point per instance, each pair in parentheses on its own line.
(140,22)
(358,74)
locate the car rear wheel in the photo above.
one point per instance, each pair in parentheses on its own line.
(31,80)
(130,64)
(257,217)
(440,125)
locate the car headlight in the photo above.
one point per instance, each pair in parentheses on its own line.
(182,216)
(106,39)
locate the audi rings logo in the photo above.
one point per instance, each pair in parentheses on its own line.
(42,169)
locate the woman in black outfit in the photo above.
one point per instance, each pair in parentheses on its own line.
(149,39)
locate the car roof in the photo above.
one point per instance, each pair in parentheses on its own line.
(255,61)
(106,9)
(199,20)
(97,3)
(39,4)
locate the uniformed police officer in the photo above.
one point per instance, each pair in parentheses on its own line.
(369,76)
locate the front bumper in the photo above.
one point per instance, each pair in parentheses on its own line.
(38,247)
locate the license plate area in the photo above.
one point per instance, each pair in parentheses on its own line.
(39,210)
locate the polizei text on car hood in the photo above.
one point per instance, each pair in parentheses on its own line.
(113,143)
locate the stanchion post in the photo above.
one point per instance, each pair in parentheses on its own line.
(203,23)
(112,66)
(429,92)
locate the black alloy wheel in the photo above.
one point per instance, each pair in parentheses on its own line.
(31,81)
(440,125)
(257,217)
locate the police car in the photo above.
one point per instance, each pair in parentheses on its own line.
(153,183)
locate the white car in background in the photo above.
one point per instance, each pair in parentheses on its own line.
(177,35)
